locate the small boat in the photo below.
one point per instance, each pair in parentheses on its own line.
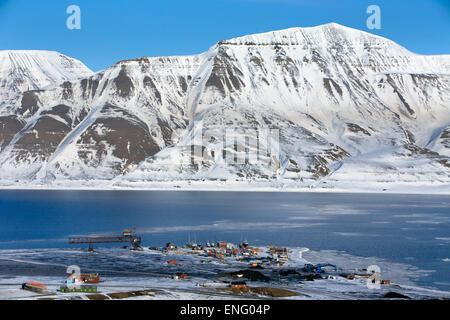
(35,287)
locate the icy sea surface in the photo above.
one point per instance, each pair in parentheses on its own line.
(407,235)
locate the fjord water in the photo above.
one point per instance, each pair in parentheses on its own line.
(410,229)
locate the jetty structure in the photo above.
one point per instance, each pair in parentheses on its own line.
(127,236)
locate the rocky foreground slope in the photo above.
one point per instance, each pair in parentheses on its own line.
(324,107)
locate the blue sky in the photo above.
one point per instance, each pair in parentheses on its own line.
(116,30)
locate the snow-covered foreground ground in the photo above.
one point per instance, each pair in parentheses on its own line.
(149,273)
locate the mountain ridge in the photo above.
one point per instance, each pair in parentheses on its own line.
(343,101)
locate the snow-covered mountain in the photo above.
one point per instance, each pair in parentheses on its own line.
(349,110)
(24,70)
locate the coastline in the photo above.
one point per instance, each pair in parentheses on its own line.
(443,189)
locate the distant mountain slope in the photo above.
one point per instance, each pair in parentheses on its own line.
(348,107)
(22,70)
